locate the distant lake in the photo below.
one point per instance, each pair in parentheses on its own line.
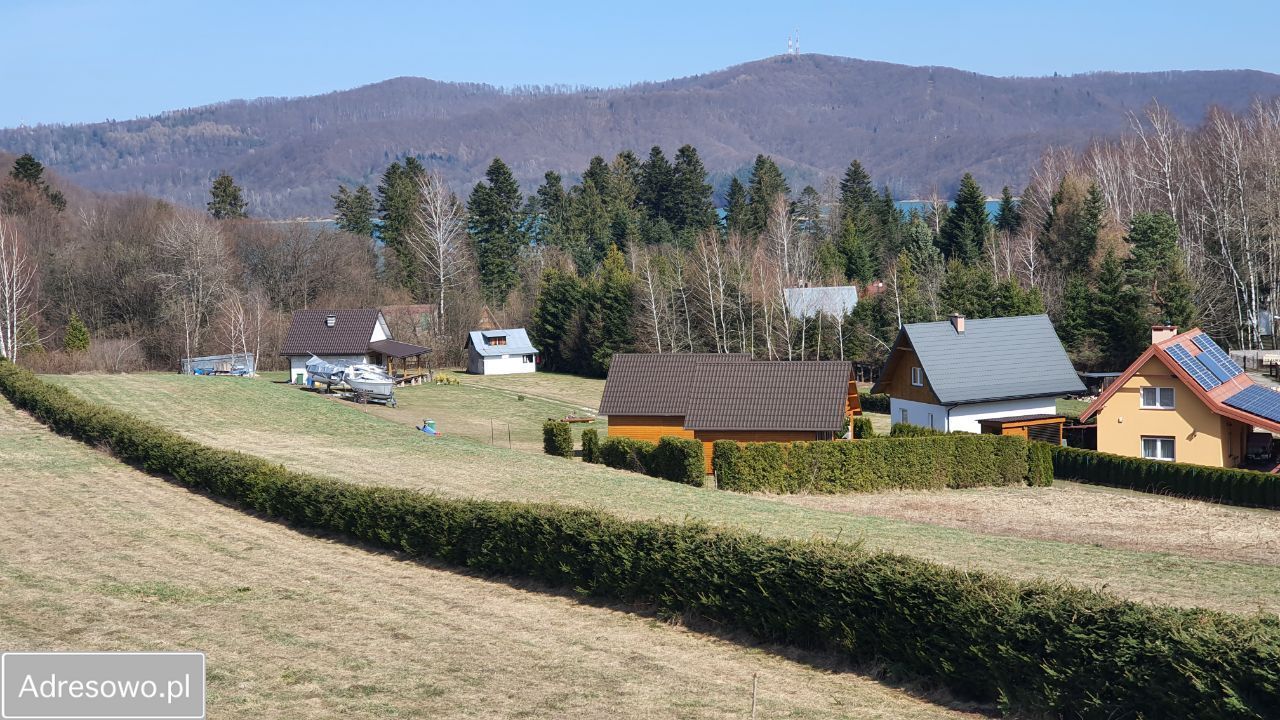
(906,206)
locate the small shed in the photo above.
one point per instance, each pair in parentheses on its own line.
(1046,428)
(500,352)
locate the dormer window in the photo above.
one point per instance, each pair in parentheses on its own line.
(331,320)
(496,340)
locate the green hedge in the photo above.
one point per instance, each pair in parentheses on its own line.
(862,428)
(676,459)
(1224,485)
(557,439)
(1040,464)
(590,446)
(909,430)
(1033,648)
(835,466)
(878,403)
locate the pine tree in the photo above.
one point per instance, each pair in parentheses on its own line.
(691,208)
(493,214)
(354,211)
(612,313)
(228,199)
(76,336)
(735,208)
(964,233)
(1009,216)
(766,183)
(28,170)
(655,188)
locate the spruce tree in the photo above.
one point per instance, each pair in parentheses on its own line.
(1074,325)
(859,265)
(228,199)
(965,231)
(353,211)
(26,169)
(493,222)
(1119,322)
(556,316)
(1009,216)
(735,207)
(969,290)
(691,208)
(654,194)
(857,195)
(551,207)
(398,195)
(76,336)
(612,313)
(766,184)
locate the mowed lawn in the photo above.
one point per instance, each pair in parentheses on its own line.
(315,434)
(97,556)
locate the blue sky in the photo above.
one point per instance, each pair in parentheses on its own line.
(80,61)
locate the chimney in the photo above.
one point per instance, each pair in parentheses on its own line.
(331,320)
(1160,333)
(957,322)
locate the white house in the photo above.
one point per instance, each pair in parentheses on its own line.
(344,336)
(500,352)
(950,375)
(834,302)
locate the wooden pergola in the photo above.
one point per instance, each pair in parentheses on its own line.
(414,363)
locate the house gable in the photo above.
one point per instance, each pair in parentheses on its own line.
(896,377)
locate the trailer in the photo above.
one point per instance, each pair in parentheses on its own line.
(237,364)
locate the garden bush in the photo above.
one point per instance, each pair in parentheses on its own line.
(590,446)
(878,403)
(1224,485)
(557,439)
(909,430)
(862,428)
(934,462)
(673,458)
(1033,648)
(1040,464)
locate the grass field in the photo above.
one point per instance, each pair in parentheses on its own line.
(98,556)
(315,434)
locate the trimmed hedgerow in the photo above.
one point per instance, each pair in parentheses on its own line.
(557,439)
(1032,647)
(862,428)
(1224,485)
(1039,464)
(878,403)
(835,466)
(590,446)
(673,458)
(909,430)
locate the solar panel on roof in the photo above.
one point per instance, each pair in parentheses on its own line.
(1214,367)
(1217,354)
(1194,367)
(1257,400)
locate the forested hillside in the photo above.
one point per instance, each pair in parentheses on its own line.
(916,129)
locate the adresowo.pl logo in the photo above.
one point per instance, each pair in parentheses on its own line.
(102,686)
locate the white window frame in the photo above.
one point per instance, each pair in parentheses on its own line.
(1159,440)
(526,359)
(902,416)
(917,376)
(931,425)
(1161,393)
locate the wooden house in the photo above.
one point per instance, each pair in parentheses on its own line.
(952,375)
(357,335)
(711,397)
(1184,399)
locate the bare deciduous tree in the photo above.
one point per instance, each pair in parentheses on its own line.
(439,241)
(17,279)
(194,273)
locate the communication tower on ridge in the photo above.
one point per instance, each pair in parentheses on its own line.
(793,43)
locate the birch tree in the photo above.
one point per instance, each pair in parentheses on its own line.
(194,273)
(439,240)
(17,282)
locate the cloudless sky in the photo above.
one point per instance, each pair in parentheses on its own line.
(87,60)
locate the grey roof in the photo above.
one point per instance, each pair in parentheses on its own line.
(517,342)
(803,302)
(995,359)
(769,395)
(654,384)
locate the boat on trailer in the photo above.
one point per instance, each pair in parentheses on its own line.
(367,382)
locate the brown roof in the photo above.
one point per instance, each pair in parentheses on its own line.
(769,395)
(1019,419)
(397,349)
(654,383)
(310,335)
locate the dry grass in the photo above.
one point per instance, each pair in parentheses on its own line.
(1075,513)
(99,556)
(579,392)
(310,433)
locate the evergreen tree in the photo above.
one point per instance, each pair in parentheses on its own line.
(1011,299)
(1175,301)
(599,173)
(551,208)
(27,169)
(1009,216)
(228,199)
(808,213)
(858,264)
(1119,322)
(397,209)
(1074,223)
(556,319)
(354,211)
(691,208)
(76,337)
(590,225)
(830,262)
(857,195)
(1074,326)
(906,304)
(736,210)
(964,233)
(654,194)
(493,222)
(969,290)
(918,243)
(610,329)
(766,183)
(1156,268)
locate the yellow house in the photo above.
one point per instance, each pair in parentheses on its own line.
(1183,400)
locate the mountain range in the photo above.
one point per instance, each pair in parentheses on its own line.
(916,129)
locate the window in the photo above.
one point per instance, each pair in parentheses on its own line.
(496,340)
(902,416)
(1157,398)
(1157,448)
(931,425)
(527,359)
(917,376)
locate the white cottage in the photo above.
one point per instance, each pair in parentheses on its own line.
(357,335)
(953,374)
(500,352)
